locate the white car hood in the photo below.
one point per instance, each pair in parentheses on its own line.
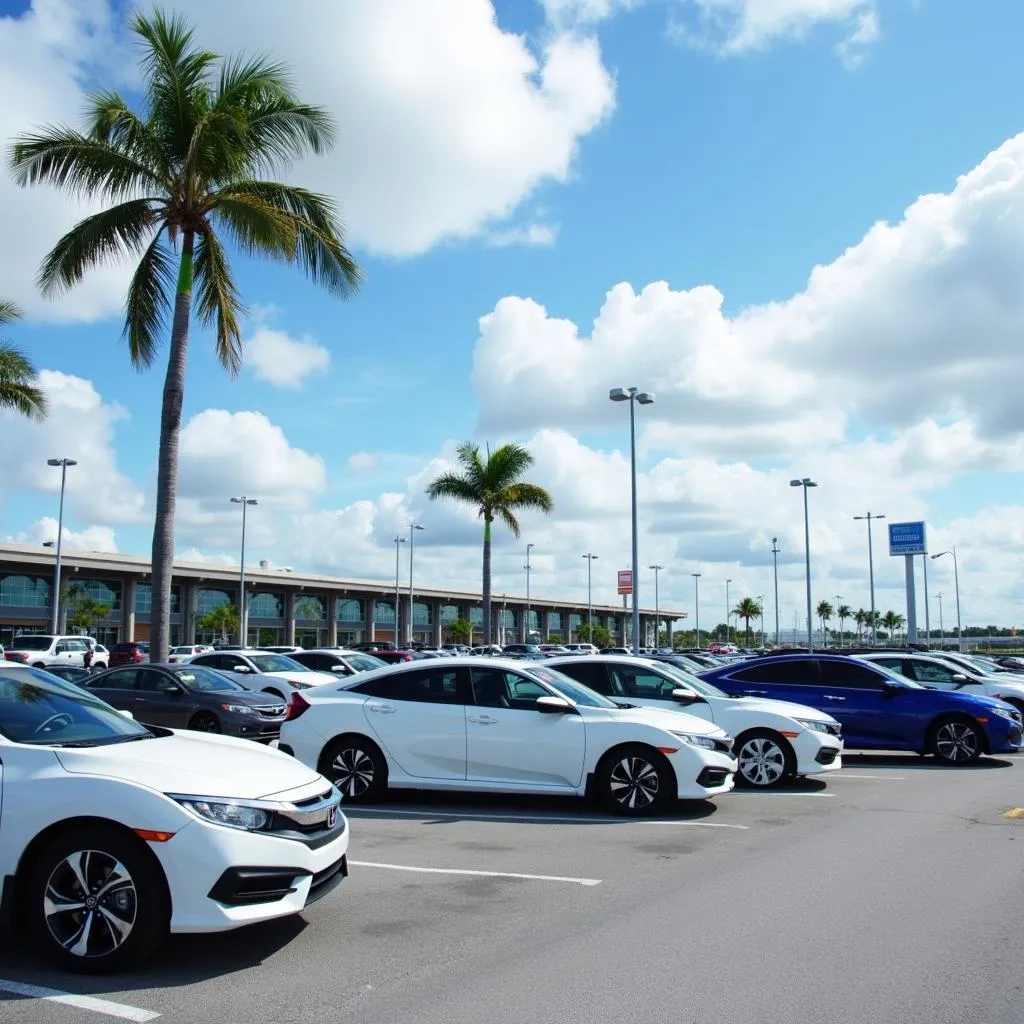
(782,707)
(193,764)
(309,678)
(678,721)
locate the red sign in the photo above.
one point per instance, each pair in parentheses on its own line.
(625,581)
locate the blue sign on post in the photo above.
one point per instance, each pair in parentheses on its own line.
(907,539)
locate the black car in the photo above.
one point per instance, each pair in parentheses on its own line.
(191,697)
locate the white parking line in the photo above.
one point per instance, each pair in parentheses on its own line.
(773,792)
(542,819)
(55,995)
(848,775)
(480,874)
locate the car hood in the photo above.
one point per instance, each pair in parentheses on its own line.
(669,720)
(782,707)
(309,678)
(195,764)
(973,699)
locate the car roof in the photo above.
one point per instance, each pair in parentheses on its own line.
(457,661)
(330,650)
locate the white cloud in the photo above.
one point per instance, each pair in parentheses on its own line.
(852,50)
(92,538)
(275,357)
(528,235)
(581,12)
(360,461)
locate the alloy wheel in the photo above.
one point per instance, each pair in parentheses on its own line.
(90,903)
(957,741)
(762,761)
(634,783)
(352,772)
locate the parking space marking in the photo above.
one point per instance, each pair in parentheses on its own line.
(478,874)
(55,995)
(886,778)
(774,792)
(542,819)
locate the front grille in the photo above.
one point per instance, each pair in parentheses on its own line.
(826,755)
(327,880)
(709,778)
(244,886)
(313,813)
(1015,736)
(270,710)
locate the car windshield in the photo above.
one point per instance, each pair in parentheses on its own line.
(275,663)
(39,709)
(364,662)
(31,643)
(690,681)
(576,692)
(206,680)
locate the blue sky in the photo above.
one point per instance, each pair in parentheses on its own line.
(682,161)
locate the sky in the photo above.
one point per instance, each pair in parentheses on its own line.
(799,223)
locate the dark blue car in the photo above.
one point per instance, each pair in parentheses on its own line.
(878,709)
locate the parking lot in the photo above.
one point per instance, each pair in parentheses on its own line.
(820,901)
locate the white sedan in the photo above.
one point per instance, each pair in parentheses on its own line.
(502,726)
(113,834)
(261,670)
(775,740)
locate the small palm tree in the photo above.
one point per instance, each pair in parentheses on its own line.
(746,610)
(892,621)
(18,388)
(824,610)
(175,182)
(494,485)
(843,612)
(860,617)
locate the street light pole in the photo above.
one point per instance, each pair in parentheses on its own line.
(243,617)
(775,562)
(633,395)
(942,635)
(55,604)
(871,570)
(526,625)
(401,540)
(760,615)
(696,607)
(956,582)
(806,483)
(728,609)
(657,607)
(590,604)
(413,527)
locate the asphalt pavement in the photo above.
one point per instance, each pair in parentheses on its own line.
(888,894)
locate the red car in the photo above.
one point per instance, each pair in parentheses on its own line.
(394,657)
(131,653)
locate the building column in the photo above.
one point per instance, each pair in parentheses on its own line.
(128,609)
(189,601)
(332,620)
(668,633)
(289,618)
(435,611)
(622,630)
(370,601)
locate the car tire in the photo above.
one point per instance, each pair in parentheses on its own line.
(765,758)
(128,918)
(635,780)
(956,741)
(357,767)
(204,721)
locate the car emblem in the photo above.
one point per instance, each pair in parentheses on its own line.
(332,817)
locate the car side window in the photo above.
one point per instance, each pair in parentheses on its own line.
(61,648)
(785,673)
(847,675)
(153,681)
(630,681)
(77,646)
(119,679)
(427,686)
(496,688)
(589,673)
(229,662)
(934,675)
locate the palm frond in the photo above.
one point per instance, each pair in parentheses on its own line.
(281,130)
(18,388)
(528,496)
(504,513)
(468,456)
(110,233)
(452,485)
(256,227)
(218,300)
(113,122)
(149,302)
(9,312)
(506,464)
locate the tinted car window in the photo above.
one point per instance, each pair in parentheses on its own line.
(204,679)
(630,681)
(31,643)
(426,686)
(590,673)
(791,673)
(119,679)
(153,681)
(364,662)
(497,688)
(850,676)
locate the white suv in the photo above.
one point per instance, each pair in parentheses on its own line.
(41,650)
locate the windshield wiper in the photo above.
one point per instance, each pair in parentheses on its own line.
(131,739)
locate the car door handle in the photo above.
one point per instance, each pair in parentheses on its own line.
(755,693)
(829,697)
(481,719)
(381,709)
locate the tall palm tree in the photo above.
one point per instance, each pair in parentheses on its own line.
(860,617)
(747,609)
(892,621)
(178,180)
(18,387)
(494,485)
(843,612)
(824,611)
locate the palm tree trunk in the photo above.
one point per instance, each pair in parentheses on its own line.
(487,579)
(167,465)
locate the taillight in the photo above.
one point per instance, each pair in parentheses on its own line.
(297,705)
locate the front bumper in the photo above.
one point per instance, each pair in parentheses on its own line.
(817,752)
(209,866)
(702,773)
(251,727)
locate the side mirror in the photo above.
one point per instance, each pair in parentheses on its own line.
(684,696)
(343,669)
(241,668)
(960,679)
(554,705)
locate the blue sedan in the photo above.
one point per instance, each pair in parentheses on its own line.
(878,709)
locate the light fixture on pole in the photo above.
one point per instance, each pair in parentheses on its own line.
(806,483)
(526,622)
(400,540)
(696,607)
(633,396)
(956,582)
(590,603)
(728,612)
(413,527)
(55,603)
(775,563)
(243,616)
(871,570)
(657,607)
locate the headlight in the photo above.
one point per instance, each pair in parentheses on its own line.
(697,741)
(238,709)
(806,723)
(1006,713)
(229,813)
(300,686)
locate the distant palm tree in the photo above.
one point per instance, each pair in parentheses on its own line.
(494,485)
(860,617)
(747,609)
(18,388)
(892,621)
(843,612)
(175,182)
(824,610)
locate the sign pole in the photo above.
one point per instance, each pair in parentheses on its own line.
(908,561)
(927,615)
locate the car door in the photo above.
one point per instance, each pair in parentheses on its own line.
(508,740)
(160,699)
(795,680)
(419,718)
(117,688)
(857,695)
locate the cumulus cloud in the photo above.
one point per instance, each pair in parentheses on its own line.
(92,538)
(275,357)
(528,235)
(360,461)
